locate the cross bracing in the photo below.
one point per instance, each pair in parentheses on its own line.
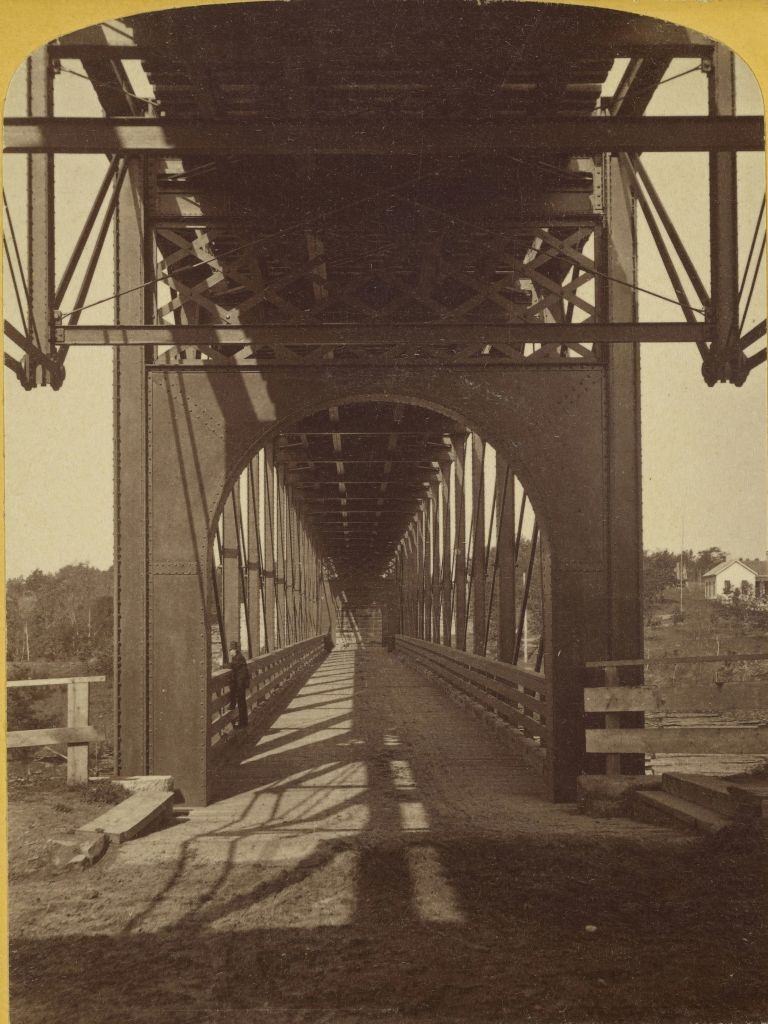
(375,299)
(382,185)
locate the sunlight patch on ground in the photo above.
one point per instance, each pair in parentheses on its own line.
(294,742)
(413,816)
(402,775)
(433,894)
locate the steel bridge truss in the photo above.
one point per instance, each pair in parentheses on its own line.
(346,268)
(462,288)
(267,577)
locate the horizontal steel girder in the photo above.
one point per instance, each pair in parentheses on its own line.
(592,34)
(574,135)
(385,335)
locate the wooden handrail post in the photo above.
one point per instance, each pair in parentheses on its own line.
(77,715)
(612,721)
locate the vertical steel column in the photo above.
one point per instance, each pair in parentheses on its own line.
(723,220)
(324,623)
(317,572)
(460,541)
(306,581)
(427,524)
(411,592)
(40,216)
(133,265)
(281,593)
(447,551)
(301,596)
(308,585)
(255,583)
(437,560)
(405,581)
(623,425)
(270,580)
(416,573)
(505,554)
(478,545)
(298,570)
(230,569)
(624,513)
(402,563)
(289,554)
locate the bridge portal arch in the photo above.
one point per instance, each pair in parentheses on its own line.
(203,425)
(356,477)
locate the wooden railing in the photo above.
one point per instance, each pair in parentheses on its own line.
(269,674)
(516,695)
(676,697)
(77,734)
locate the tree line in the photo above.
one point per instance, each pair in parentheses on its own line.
(61,616)
(67,615)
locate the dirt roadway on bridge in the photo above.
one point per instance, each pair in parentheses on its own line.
(378,854)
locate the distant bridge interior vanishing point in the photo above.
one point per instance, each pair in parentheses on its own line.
(376,328)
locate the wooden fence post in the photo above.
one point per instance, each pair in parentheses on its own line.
(612,721)
(77,715)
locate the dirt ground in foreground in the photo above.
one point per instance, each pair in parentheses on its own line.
(379,854)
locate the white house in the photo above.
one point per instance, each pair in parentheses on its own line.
(727,576)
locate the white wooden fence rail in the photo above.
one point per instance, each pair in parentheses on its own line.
(677,697)
(77,735)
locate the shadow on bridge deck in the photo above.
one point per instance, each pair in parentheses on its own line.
(367,752)
(379,855)
(369,746)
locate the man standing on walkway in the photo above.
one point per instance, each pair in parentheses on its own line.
(239,682)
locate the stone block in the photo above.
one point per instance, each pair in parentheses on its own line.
(61,849)
(147,783)
(80,850)
(610,796)
(614,787)
(93,846)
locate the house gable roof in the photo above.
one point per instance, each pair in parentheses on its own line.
(722,566)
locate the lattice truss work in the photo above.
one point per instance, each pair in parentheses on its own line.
(470,565)
(266,574)
(317,168)
(401,493)
(392,261)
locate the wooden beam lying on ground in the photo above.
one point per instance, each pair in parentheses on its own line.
(131,817)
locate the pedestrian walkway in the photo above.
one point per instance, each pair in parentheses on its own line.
(367,749)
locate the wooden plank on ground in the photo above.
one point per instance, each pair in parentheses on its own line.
(131,817)
(52,737)
(678,741)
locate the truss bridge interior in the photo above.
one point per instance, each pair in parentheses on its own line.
(376,339)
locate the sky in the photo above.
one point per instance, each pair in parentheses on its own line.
(704,450)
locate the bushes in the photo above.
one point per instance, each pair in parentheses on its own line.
(746,613)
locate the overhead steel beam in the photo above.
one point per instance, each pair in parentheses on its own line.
(416,460)
(425,432)
(593,34)
(572,135)
(40,232)
(413,486)
(328,505)
(725,360)
(363,334)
